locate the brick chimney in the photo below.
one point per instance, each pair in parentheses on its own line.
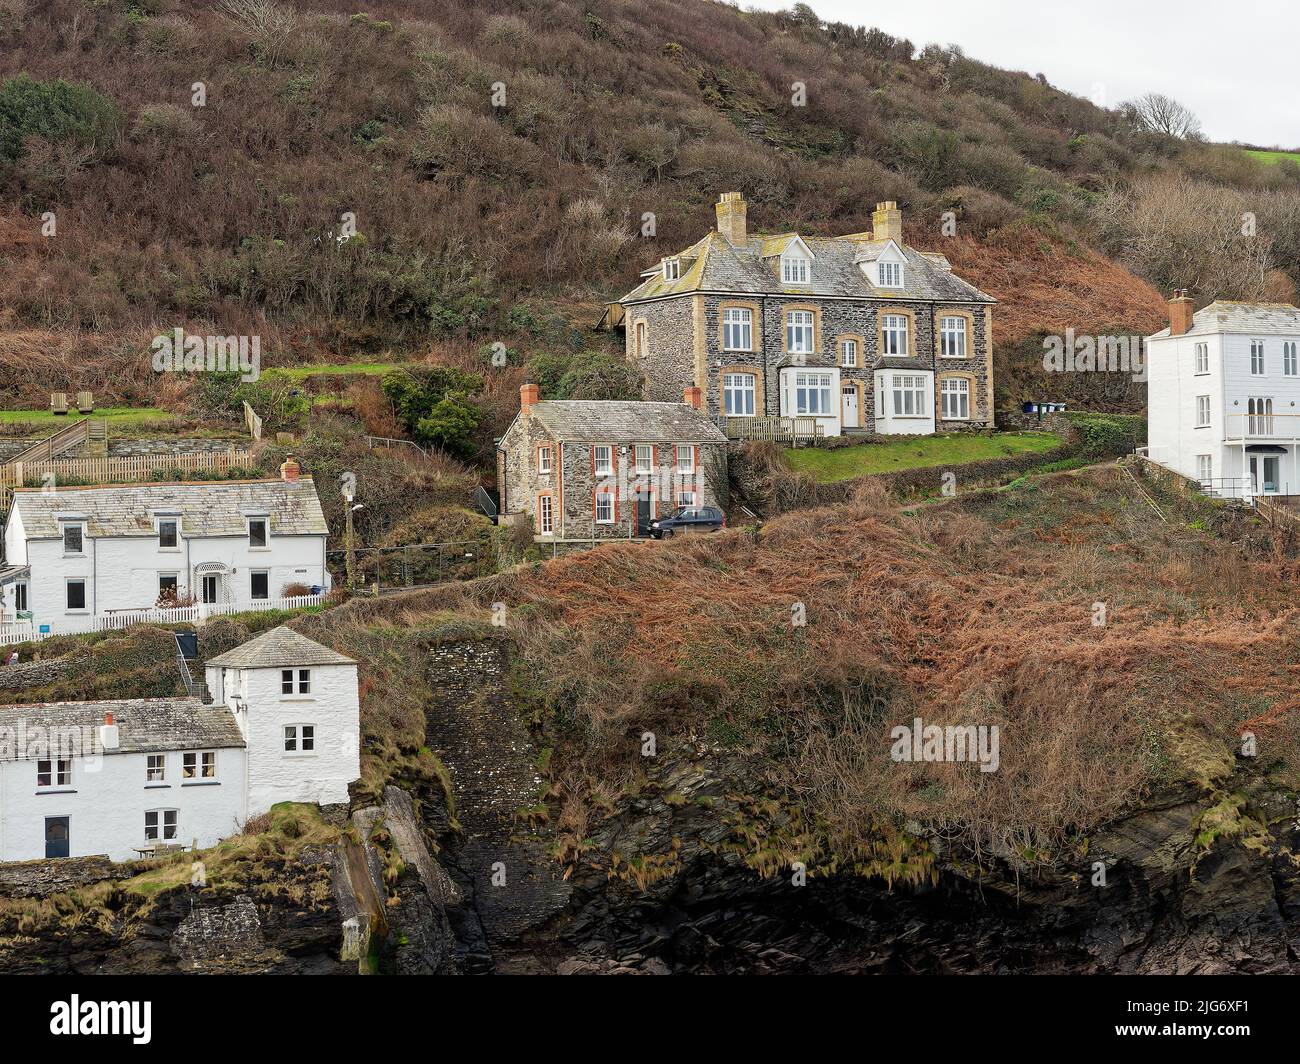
(887,222)
(730,209)
(528,395)
(289,470)
(1181,309)
(694,397)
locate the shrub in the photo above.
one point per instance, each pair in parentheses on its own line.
(54,111)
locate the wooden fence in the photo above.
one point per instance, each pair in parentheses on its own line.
(252,422)
(123,469)
(788,430)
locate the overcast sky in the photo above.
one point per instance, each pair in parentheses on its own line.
(1234,63)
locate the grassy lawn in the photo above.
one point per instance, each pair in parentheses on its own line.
(116,415)
(1275,156)
(844,463)
(332,369)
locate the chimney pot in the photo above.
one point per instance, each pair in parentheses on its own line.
(289,470)
(528,395)
(730,210)
(694,397)
(1181,312)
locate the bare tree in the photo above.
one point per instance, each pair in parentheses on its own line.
(271,24)
(1157,113)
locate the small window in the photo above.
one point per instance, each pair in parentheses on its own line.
(1202,358)
(737,329)
(1257,358)
(199,764)
(889,275)
(686,498)
(954,394)
(602,457)
(155,768)
(299,738)
(952,337)
(604,508)
(794,269)
(76,594)
(738,394)
(685,458)
(168,533)
(893,331)
(54,773)
(1202,411)
(799,333)
(20,596)
(295,681)
(1289,358)
(543,459)
(644,458)
(257,532)
(1204,468)
(849,348)
(160,825)
(259,584)
(672,269)
(73,542)
(168,586)
(545,515)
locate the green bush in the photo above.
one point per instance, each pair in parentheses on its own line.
(584,375)
(54,110)
(1107,435)
(435,405)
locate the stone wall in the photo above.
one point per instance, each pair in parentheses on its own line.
(38,673)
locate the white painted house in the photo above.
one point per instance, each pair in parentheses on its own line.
(76,555)
(123,777)
(1223,396)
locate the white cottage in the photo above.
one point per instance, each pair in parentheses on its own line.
(1223,396)
(76,555)
(124,777)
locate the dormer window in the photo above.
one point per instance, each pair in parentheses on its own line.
(889,275)
(257,533)
(672,269)
(169,533)
(73,542)
(794,269)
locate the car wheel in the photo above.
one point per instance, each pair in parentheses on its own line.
(666,534)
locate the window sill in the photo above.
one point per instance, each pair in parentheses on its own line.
(259,550)
(56,790)
(297,698)
(202,783)
(299,757)
(157,786)
(76,613)
(1201,426)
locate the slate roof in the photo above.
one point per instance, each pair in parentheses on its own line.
(279,648)
(1230,316)
(713,265)
(207,508)
(144,725)
(616,421)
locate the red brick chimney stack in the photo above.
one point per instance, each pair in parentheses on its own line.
(1181,309)
(289,470)
(694,397)
(528,395)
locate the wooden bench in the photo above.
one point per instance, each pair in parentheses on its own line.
(58,402)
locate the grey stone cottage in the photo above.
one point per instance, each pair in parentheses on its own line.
(583,470)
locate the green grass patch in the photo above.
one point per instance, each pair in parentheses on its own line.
(1274,156)
(115,415)
(914,452)
(332,369)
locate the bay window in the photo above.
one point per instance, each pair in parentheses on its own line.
(909,395)
(812,394)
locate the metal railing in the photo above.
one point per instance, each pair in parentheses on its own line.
(1264,426)
(390,442)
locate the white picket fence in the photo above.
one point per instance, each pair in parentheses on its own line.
(12,632)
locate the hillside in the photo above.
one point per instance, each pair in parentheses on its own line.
(476,222)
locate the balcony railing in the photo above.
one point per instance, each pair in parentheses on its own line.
(1262,427)
(789,430)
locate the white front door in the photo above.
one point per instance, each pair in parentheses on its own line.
(1266,472)
(210,593)
(850,406)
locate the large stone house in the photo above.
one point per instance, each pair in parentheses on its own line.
(858,332)
(128,776)
(583,470)
(1223,384)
